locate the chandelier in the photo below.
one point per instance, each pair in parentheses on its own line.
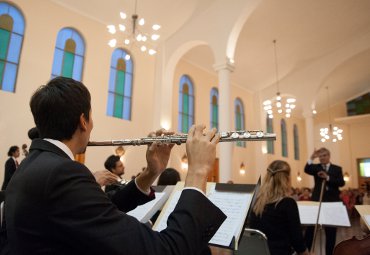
(332,133)
(134,33)
(278,104)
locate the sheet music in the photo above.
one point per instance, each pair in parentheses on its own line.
(367,219)
(331,213)
(308,214)
(334,214)
(235,206)
(170,207)
(142,210)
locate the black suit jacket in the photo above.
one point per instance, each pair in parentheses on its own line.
(331,191)
(54,206)
(10,168)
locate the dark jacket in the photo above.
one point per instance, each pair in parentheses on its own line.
(331,191)
(54,206)
(10,168)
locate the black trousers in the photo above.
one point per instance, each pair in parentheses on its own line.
(330,234)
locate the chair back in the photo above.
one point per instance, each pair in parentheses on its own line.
(253,241)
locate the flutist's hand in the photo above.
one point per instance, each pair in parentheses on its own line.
(201,152)
(157,156)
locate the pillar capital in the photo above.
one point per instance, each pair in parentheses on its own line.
(228,64)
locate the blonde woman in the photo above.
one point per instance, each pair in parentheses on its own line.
(276,214)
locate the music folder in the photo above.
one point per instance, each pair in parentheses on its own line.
(233,199)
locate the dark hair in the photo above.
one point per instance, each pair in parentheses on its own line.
(111,161)
(12,150)
(33,133)
(57,106)
(169,176)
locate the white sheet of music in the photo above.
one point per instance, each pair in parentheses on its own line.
(367,219)
(331,213)
(142,210)
(235,205)
(170,207)
(334,213)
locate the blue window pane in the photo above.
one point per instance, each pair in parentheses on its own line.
(127,108)
(128,83)
(14,48)
(129,66)
(63,35)
(110,104)
(10,74)
(80,44)
(18,25)
(57,66)
(77,68)
(112,79)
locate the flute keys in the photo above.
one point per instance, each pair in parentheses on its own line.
(259,134)
(234,135)
(246,135)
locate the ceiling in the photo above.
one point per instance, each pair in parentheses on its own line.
(309,34)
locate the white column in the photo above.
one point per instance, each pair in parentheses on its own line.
(225,120)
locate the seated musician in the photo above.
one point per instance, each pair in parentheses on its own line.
(276,214)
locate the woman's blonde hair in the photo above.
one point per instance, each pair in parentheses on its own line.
(275,186)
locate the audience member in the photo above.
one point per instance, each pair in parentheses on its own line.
(306,195)
(333,176)
(33,133)
(10,165)
(55,206)
(114,164)
(276,214)
(170,176)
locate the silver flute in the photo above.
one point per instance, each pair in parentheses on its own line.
(229,136)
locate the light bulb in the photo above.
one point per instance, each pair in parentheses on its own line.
(141,22)
(127,57)
(127,41)
(122,27)
(111,29)
(156,27)
(123,15)
(112,43)
(143,48)
(155,37)
(152,52)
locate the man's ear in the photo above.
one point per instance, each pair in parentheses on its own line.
(83,122)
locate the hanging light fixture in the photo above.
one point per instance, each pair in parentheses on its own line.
(279,104)
(332,133)
(134,34)
(242,169)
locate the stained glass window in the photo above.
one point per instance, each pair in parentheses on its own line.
(284,139)
(214,108)
(186,104)
(270,129)
(11,39)
(120,85)
(239,119)
(296,142)
(69,54)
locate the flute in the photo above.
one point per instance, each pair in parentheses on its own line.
(229,136)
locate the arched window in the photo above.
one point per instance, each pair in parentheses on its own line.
(239,119)
(120,85)
(296,142)
(69,54)
(11,39)
(270,129)
(186,104)
(284,139)
(214,108)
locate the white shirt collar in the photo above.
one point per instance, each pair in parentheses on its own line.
(61,146)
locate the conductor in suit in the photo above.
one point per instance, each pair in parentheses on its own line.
(10,165)
(54,205)
(333,176)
